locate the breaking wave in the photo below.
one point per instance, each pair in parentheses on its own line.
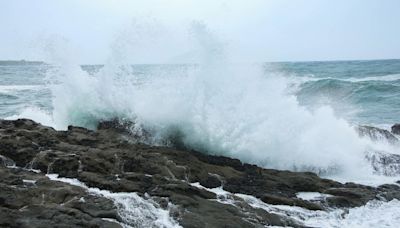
(236,110)
(385,78)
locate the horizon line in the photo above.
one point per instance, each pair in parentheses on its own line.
(166,63)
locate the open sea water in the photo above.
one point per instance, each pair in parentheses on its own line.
(293,115)
(362,92)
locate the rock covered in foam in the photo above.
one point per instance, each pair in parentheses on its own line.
(377,134)
(385,164)
(104,159)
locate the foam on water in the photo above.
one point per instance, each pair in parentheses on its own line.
(217,107)
(238,113)
(36,114)
(133,209)
(235,111)
(374,214)
(312,195)
(385,78)
(12,88)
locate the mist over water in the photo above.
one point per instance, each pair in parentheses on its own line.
(213,105)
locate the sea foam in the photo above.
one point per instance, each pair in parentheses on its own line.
(134,210)
(217,107)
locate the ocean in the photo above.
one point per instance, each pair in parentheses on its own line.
(300,116)
(284,115)
(363,92)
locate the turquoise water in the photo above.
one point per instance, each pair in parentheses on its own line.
(362,92)
(366,92)
(291,116)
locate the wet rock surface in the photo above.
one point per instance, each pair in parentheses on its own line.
(105,159)
(29,199)
(377,134)
(396,129)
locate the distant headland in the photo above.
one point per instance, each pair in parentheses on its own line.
(19,62)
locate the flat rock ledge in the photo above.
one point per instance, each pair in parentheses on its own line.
(104,159)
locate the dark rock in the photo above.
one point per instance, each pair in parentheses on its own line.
(81,136)
(105,159)
(278,200)
(46,203)
(124,127)
(43,160)
(350,197)
(396,129)
(220,160)
(116,125)
(6,162)
(212,181)
(377,134)
(385,164)
(66,166)
(389,191)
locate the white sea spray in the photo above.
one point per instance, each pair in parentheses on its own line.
(134,210)
(214,106)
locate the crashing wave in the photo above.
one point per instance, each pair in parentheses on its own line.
(217,107)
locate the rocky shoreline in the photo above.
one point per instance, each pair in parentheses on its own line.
(174,181)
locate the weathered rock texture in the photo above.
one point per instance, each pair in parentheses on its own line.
(105,159)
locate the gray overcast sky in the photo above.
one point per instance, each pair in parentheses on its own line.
(159,30)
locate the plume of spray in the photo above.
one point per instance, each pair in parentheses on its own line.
(235,110)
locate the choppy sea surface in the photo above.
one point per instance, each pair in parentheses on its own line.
(288,115)
(363,92)
(294,115)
